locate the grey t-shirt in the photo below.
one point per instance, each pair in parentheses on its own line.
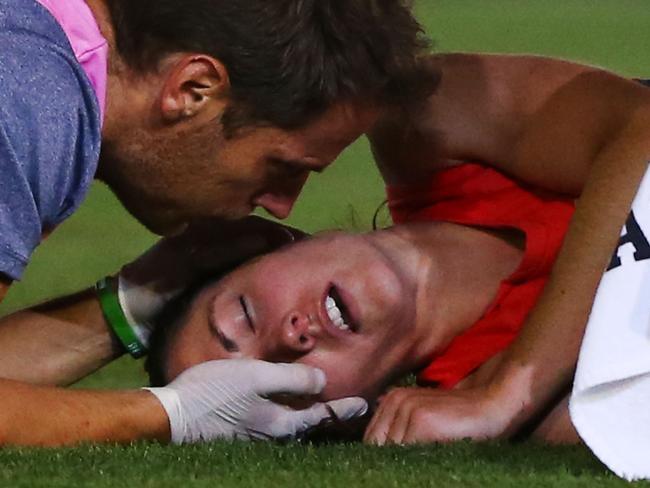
(50,130)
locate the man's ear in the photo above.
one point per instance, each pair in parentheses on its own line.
(196,85)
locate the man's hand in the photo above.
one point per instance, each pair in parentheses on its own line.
(207,247)
(425,415)
(228,399)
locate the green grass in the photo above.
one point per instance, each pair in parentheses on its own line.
(269,465)
(96,241)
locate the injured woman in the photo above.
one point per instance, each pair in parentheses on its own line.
(441,294)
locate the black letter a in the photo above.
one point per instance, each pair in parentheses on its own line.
(634,235)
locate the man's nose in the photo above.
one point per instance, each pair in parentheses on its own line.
(297,333)
(279,200)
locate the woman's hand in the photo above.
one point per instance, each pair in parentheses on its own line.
(426,415)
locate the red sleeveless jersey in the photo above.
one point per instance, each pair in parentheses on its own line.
(476,195)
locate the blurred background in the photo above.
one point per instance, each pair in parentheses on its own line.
(614,34)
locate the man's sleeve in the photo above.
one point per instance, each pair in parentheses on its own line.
(20,225)
(49,144)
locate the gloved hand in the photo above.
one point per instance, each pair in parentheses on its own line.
(227,399)
(207,247)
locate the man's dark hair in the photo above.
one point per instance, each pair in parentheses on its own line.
(288,60)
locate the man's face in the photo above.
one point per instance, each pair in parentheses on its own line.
(169,177)
(337,302)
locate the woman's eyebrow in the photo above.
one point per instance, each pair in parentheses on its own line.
(228,344)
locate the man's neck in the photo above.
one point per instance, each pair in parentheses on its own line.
(457,270)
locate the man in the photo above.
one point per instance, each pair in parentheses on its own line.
(186,110)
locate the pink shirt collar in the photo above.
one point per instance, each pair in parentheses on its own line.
(89,45)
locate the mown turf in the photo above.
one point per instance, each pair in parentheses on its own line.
(332,466)
(610,33)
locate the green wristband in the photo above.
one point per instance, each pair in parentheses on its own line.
(115,317)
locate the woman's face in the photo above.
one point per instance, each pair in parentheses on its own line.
(342,303)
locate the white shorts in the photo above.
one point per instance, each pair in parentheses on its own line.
(610,403)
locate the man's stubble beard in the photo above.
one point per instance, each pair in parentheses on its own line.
(147,172)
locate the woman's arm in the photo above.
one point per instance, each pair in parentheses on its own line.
(591,138)
(563,128)
(554,425)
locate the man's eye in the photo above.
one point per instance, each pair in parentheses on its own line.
(287,169)
(296,172)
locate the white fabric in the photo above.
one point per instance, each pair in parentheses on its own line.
(140,303)
(610,404)
(228,400)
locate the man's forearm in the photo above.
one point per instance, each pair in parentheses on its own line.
(56,343)
(42,416)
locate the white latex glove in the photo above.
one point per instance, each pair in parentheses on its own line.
(227,400)
(140,304)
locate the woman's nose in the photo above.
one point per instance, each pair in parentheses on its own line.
(296,333)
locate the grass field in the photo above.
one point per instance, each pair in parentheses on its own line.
(610,33)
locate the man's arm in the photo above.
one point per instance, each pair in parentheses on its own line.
(42,416)
(214,400)
(563,128)
(66,339)
(221,399)
(33,415)
(61,341)
(57,343)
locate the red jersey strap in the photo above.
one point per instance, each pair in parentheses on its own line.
(476,195)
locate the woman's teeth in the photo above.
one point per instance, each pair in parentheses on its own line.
(334,314)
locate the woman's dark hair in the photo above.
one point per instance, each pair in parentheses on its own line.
(288,60)
(166,324)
